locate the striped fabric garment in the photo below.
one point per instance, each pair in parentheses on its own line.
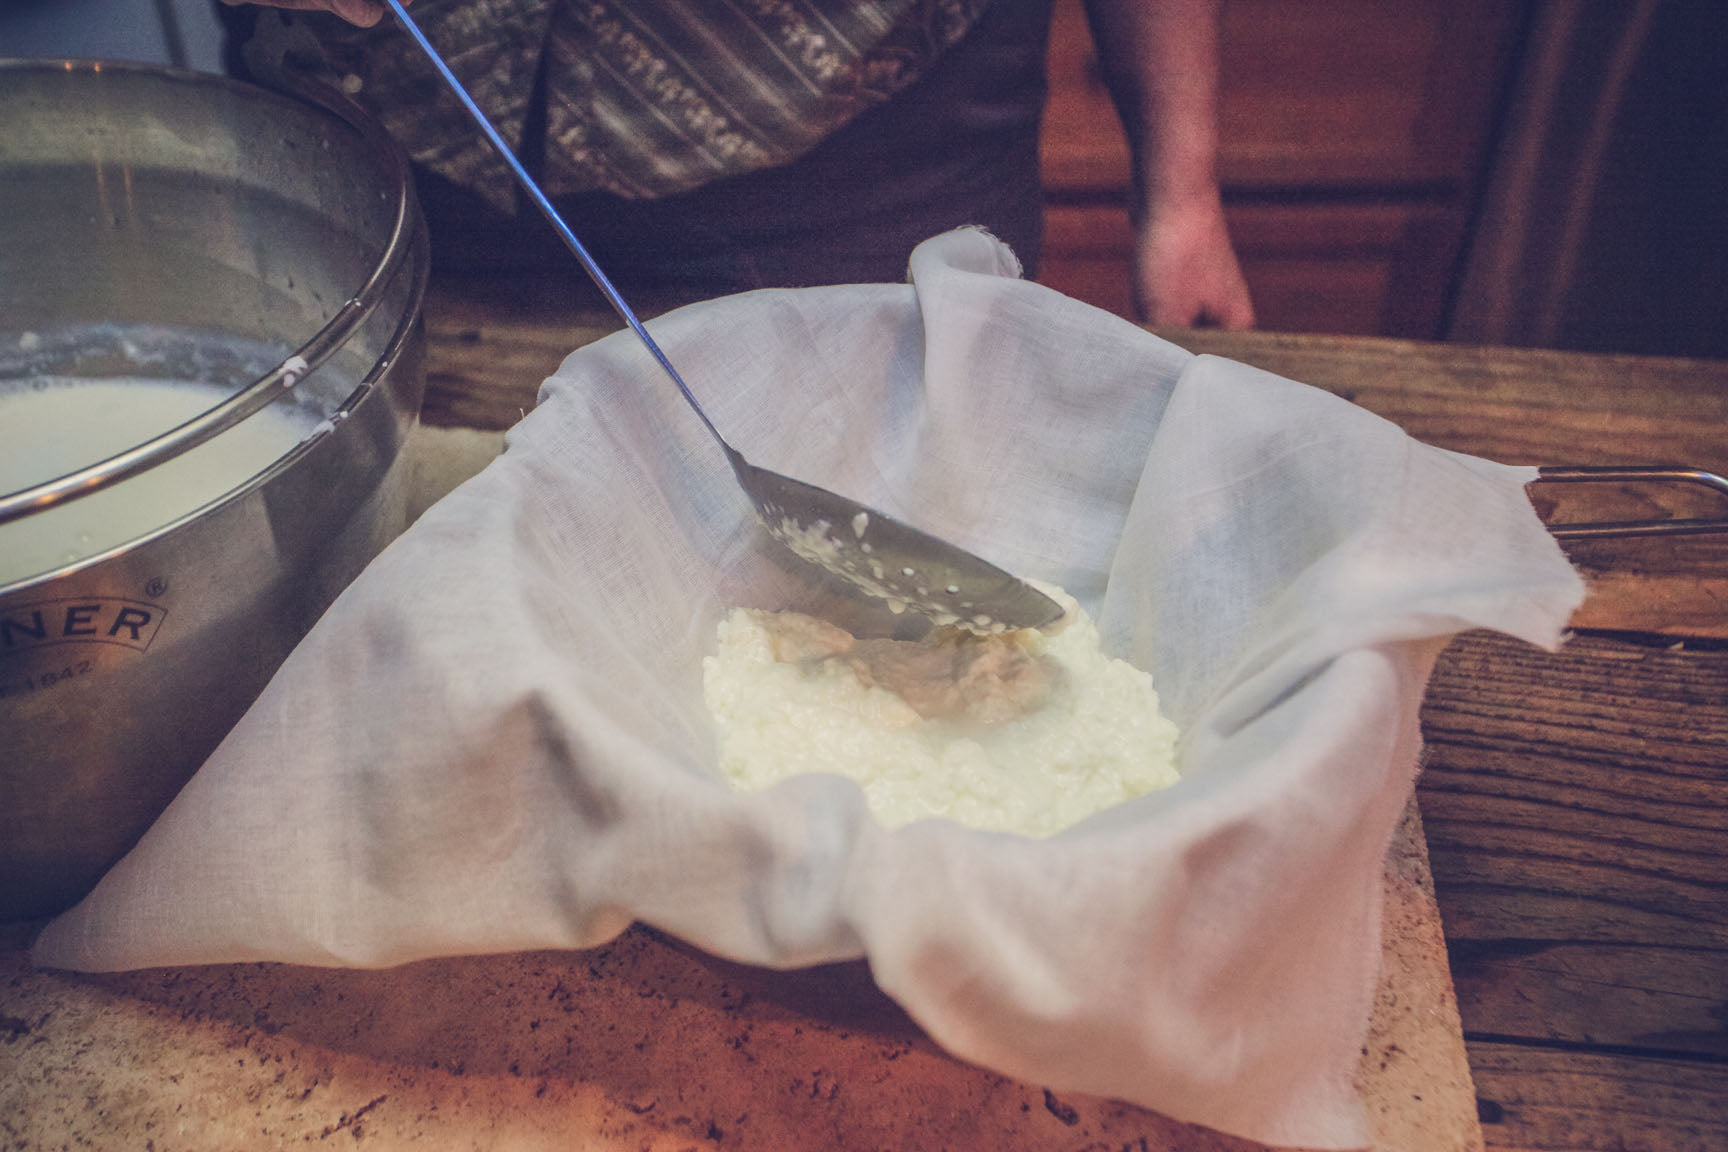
(642,98)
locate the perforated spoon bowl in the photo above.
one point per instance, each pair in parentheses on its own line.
(876,554)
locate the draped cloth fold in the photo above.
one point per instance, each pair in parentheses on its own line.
(495,740)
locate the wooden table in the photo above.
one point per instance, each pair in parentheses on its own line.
(1576,805)
(1576,812)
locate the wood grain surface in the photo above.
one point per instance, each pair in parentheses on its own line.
(1577,814)
(641,1045)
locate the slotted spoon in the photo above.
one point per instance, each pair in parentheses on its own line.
(874,553)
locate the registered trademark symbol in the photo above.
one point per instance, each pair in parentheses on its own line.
(156,586)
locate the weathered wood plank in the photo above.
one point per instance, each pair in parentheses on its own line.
(1453,389)
(1581,795)
(1576,808)
(1677,585)
(1669,1001)
(1544,1099)
(1517,405)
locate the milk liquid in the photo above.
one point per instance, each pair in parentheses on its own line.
(50,426)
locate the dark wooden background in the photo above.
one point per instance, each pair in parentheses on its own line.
(1541,173)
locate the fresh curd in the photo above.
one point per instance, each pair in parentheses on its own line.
(1027,732)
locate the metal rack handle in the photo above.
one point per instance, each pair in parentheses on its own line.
(1635,474)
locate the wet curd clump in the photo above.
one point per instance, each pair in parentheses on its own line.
(1024,732)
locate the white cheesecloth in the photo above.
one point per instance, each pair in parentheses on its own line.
(495,740)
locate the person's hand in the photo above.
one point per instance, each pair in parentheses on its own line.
(1185,270)
(360,13)
(1159,59)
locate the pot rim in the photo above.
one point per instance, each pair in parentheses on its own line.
(404,239)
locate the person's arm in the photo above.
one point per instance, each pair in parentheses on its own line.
(1160,61)
(361,13)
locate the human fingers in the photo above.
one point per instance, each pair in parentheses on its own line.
(1205,298)
(1185,270)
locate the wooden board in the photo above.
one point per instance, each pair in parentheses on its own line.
(642,1044)
(1577,812)
(1547,1100)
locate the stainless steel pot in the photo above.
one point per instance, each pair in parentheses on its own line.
(156,223)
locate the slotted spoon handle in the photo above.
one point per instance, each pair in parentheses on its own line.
(554,217)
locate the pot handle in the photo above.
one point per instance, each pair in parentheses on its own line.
(1635,474)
